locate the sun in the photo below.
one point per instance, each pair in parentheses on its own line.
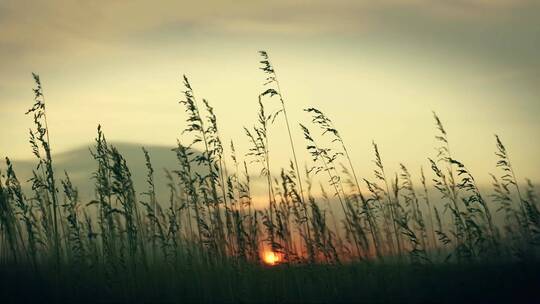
(271,258)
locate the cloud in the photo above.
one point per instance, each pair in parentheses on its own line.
(36,32)
(55,22)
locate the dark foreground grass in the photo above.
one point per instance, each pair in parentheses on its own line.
(205,241)
(367,283)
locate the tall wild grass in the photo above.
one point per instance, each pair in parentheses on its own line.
(209,225)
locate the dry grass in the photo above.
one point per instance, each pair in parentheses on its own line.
(209,223)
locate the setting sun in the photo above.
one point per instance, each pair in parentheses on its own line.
(271,258)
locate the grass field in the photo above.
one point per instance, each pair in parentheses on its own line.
(383,238)
(366,283)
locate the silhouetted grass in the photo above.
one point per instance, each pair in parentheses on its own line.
(385,240)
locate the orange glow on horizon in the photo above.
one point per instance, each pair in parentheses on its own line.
(271,258)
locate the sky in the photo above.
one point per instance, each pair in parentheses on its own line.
(377,68)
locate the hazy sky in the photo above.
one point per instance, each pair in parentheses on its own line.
(378,68)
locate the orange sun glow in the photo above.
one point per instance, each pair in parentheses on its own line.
(271,258)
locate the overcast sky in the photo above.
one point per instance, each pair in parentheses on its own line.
(378,68)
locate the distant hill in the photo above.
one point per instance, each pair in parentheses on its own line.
(80,166)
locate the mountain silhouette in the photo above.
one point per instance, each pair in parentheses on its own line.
(80,166)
